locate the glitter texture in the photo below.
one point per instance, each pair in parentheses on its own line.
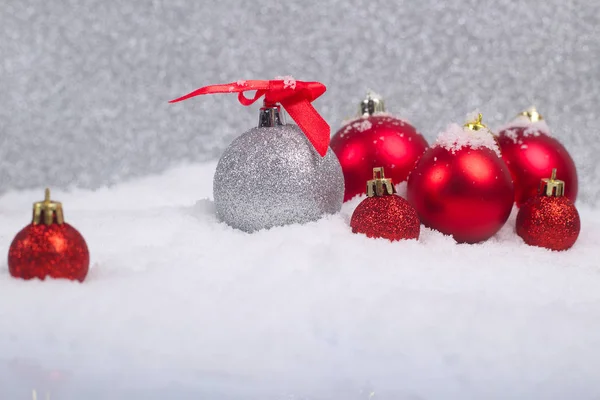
(84,82)
(550,222)
(56,251)
(376,141)
(531,157)
(273,176)
(390,217)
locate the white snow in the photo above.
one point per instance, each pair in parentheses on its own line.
(288,81)
(512,134)
(455,137)
(521,121)
(180,306)
(363,125)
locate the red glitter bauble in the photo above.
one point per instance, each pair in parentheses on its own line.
(48,247)
(531,156)
(467,193)
(550,222)
(56,251)
(376,141)
(390,217)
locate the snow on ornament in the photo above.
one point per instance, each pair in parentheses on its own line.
(530,152)
(376,139)
(461,186)
(277,174)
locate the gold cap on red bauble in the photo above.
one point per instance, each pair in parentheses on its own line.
(552,187)
(532,114)
(476,124)
(379,185)
(372,104)
(47,212)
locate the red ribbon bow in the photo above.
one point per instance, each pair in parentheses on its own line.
(294,96)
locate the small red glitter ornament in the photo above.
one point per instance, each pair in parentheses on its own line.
(531,153)
(48,247)
(461,186)
(376,139)
(550,219)
(383,214)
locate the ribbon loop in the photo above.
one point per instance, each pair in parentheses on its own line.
(295,97)
(249,101)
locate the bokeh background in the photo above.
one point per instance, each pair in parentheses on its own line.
(84,84)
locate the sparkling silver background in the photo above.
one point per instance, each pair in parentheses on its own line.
(84,84)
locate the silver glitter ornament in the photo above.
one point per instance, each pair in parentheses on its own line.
(272,175)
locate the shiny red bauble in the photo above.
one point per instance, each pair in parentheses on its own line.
(467,193)
(55,251)
(390,217)
(373,141)
(531,154)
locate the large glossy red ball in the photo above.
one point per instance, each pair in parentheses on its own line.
(390,217)
(56,251)
(468,194)
(550,222)
(531,158)
(376,141)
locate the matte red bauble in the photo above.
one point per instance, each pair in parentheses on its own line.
(549,219)
(383,214)
(376,139)
(531,153)
(461,186)
(48,247)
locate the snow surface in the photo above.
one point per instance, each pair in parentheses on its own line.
(179,306)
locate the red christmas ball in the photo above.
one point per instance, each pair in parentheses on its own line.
(531,153)
(375,140)
(549,220)
(461,186)
(48,247)
(384,214)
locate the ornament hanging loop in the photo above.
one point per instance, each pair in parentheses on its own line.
(47,211)
(379,185)
(552,187)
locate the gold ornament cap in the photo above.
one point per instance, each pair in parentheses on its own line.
(372,104)
(379,185)
(476,124)
(47,212)
(552,187)
(532,114)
